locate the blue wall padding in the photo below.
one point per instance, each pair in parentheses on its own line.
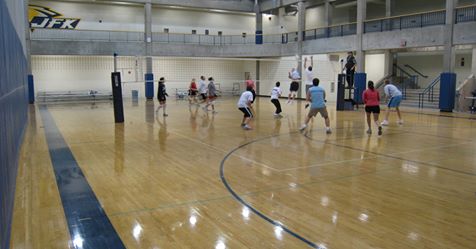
(31,89)
(447,92)
(13,115)
(149,86)
(259,37)
(360,80)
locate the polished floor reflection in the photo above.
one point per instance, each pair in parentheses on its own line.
(196,180)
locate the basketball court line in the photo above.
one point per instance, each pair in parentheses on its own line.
(374,157)
(279,224)
(394,157)
(86,221)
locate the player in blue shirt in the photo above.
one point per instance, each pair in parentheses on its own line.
(317,96)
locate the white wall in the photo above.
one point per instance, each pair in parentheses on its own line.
(84,73)
(277,70)
(375,66)
(432,65)
(131,18)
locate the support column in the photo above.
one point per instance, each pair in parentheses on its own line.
(361,15)
(448,77)
(301,28)
(259,24)
(360,77)
(258,78)
(149,76)
(449,55)
(388,63)
(473,62)
(328,13)
(389,7)
(31,83)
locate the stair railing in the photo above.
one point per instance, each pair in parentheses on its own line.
(429,90)
(409,80)
(416,71)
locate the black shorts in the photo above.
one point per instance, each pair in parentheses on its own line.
(204,96)
(192,92)
(372,109)
(246,111)
(161,98)
(294,86)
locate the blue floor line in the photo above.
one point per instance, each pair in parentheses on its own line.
(88,224)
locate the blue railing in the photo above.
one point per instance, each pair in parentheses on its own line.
(406,22)
(332,31)
(429,90)
(466,14)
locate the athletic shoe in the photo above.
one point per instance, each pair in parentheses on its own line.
(328,131)
(166,115)
(214,112)
(246,127)
(400,122)
(369,131)
(380,130)
(384,123)
(303,127)
(243,125)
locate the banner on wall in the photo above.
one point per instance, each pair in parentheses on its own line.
(44,17)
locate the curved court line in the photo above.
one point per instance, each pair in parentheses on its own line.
(390,156)
(243,202)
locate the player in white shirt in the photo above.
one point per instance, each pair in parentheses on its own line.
(395,97)
(275,94)
(309,75)
(295,77)
(202,89)
(244,105)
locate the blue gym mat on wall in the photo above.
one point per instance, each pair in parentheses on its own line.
(13,113)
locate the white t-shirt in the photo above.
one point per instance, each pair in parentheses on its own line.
(391,91)
(275,92)
(246,97)
(295,75)
(202,86)
(309,77)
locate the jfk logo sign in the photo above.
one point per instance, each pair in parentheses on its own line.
(44,17)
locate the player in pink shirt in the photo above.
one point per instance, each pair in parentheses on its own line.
(372,105)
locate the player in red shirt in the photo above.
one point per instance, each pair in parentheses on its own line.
(372,105)
(192,92)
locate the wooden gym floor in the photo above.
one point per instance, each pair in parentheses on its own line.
(197,181)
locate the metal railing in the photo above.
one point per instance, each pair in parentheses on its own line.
(86,35)
(466,14)
(429,90)
(408,81)
(416,71)
(331,31)
(406,22)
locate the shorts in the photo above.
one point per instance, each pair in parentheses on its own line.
(372,109)
(192,93)
(204,96)
(161,98)
(246,111)
(395,101)
(294,86)
(314,111)
(212,97)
